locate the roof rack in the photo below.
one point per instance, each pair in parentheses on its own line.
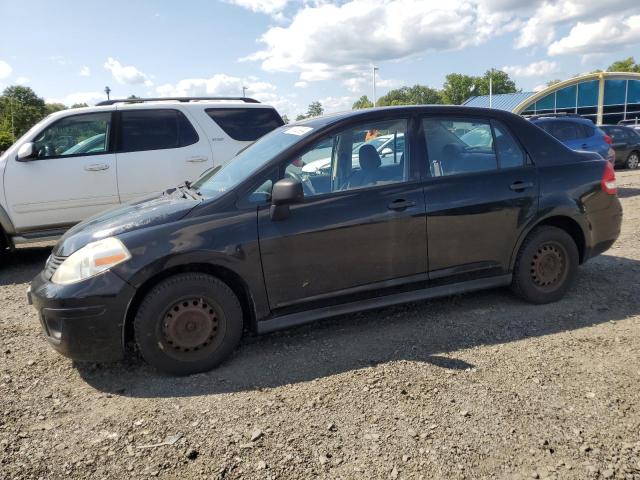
(553,115)
(175,99)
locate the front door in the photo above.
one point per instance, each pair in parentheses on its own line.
(481,194)
(360,227)
(71,177)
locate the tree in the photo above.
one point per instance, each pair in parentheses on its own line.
(416,95)
(133,97)
(501,83)
(79,105)
(285,119)
(20,109)
(315,109)
(458,87)
(626,65)
(54,107)
(362,102)
(553,82)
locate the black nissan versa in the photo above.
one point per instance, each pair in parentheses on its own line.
(459,199)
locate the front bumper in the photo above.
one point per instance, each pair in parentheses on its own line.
(84,321)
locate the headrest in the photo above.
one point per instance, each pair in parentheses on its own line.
(368,157)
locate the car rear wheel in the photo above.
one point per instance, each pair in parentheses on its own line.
(632,161)
(546,265)
(188,323)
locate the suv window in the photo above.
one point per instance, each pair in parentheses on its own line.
(361,156)
(84,134)
(456,146)
(245,124)
(156,129)
(566,131)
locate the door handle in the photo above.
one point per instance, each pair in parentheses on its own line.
(96,167)
(401,204)
(196,159)
(520,186)
(585,146)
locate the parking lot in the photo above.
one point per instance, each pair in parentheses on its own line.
(474,386)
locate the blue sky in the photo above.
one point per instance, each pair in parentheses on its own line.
(292,52)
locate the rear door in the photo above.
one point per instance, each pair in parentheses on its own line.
(157,149)
(71,177)
(481,192)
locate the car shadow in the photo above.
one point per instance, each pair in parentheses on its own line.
(430,332)
(625,192)
(22,264)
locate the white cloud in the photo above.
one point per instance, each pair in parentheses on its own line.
(5,69)
(22,80)
(603,35)
(270,7)
(535,69)
(59,59)
(126,74)
(85,71)
(539,88)
(89,98)
(337,104)
(301,84)
(327,41)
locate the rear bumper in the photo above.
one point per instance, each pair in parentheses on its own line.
(79,326)
(604,227)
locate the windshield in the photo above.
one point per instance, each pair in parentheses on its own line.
(249,160)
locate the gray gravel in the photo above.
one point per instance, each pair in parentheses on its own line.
(473,386)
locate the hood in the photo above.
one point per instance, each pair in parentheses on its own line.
(168,206)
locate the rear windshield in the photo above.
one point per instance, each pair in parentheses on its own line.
(245,124)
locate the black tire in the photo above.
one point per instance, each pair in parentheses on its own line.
(632,161)
(546,265)
(188,323)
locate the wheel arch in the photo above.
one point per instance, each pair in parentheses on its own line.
(228,276)
(562,221)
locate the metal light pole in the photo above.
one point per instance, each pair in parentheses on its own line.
(491,88)
(244,91)
(107,90)
(374,69)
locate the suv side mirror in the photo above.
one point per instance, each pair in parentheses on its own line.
(284,193)
(25,152)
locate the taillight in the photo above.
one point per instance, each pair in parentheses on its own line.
(608,181)
(607,139)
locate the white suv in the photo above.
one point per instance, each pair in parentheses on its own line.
(76,163)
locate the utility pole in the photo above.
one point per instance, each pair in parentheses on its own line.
(491,88)
(374,69)
(244,91)
(107,90)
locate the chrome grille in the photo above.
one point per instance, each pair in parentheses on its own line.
(53,262)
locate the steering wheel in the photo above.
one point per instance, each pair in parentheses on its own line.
(307,186)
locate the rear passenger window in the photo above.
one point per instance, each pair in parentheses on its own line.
(155,130)
(459,146)
(245,124)
(510,154)
(566,131)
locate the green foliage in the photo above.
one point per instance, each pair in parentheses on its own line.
(458,87)
(416,95)
(79,105)
(315,109)
(20,109)
(362,102)
(6,140)
(501,83)
(54,107)
(625,65)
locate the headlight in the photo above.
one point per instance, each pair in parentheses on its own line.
(90,260)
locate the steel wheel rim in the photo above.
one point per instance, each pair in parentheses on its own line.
(190,327)
(548,265)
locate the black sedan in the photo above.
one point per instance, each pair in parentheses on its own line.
(626,143)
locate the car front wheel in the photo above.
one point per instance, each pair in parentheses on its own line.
(188,323)
(546,265)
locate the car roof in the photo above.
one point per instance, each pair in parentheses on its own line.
(563,119)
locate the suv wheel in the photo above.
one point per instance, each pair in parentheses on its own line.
(188,323)
(546,265)
(632,161)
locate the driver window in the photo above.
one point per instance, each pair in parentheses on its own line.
(459,146)
(75,135)
(359,157)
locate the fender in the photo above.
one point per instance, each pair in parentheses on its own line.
(6,223)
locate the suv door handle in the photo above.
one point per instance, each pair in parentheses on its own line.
(196,159)
(96,167)
(520,186)
(401,204)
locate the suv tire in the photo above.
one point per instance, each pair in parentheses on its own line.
(546,265)
(188,323)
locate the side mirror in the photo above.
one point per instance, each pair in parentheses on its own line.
(285,192)
(386,151)
(25,152)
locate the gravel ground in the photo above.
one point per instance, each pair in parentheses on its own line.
(473,386)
